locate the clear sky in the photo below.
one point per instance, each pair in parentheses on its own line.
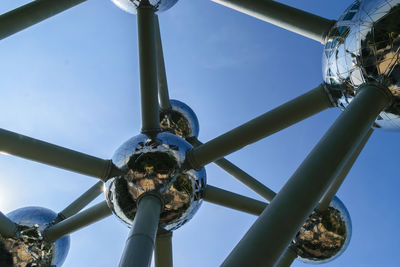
(73,81)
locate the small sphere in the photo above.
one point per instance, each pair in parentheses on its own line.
(29,249)
(131,5)
(363,47)
(324,235)
(179,120)
(153,165)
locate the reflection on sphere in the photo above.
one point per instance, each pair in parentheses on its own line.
(29,249)
(179,120)
(153,166)
(324,235)
(131,5)
(363,47)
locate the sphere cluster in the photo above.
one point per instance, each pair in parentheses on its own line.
(363,47)
(324,235)
(153,165)
(29,248)
(179,120)
(131,5)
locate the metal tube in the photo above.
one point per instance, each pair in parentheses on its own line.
(271,122)
(334,187)
(77,221)
(43,152)
(7,227)
(81,202)
(276,227)
(289,18)
(233,201)
(241,175)
(140,244)
(163,95)
(163,256)
(32,13)
(287,258)
(148,68)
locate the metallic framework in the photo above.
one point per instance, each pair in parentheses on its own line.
(340,149)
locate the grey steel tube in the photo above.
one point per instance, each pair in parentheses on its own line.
(148,68)
(141,240)
(276,227)
(81,202)
(271,122)
(32,13)
(163,256)
(287,258)
(289,18)
(77,221)
(163,95)
(7,227)
(233,201)
(334,187)
(43,152)
(241,175)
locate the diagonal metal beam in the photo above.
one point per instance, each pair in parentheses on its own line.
(267,124)
(283,217)
(163,95)
(148,68)
(240,175)
(77,221)
(289,18)
(233,201)
(56,156)
(163,255)
(7,227)
(140,243)
(287,258)
(32,13)
(328,196)
(81,202)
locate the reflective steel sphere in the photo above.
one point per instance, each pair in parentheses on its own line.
(29,249)
(179,120)
(153,166)
(325,234)
(363,47)
(131,5)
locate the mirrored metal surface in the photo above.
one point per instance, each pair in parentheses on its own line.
(179,120)
(324,235)
(29,249)
(131,5)
(153,165)
(363,47)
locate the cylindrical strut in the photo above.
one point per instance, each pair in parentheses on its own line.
(276,227)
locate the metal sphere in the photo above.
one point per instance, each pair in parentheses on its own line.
(131,5)
(29,249)
(153,165)
(179,120)
(363,47)
(324,235)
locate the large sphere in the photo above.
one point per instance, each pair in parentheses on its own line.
(363,47)
(179,120)
(29,249)
(154,166)
(131,5)
(324,235)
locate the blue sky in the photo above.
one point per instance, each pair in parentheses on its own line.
(73,81)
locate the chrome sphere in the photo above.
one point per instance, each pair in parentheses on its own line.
(363,47)
(153,165)
(131,5)
(29,249)
(179,120)
(324,235)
